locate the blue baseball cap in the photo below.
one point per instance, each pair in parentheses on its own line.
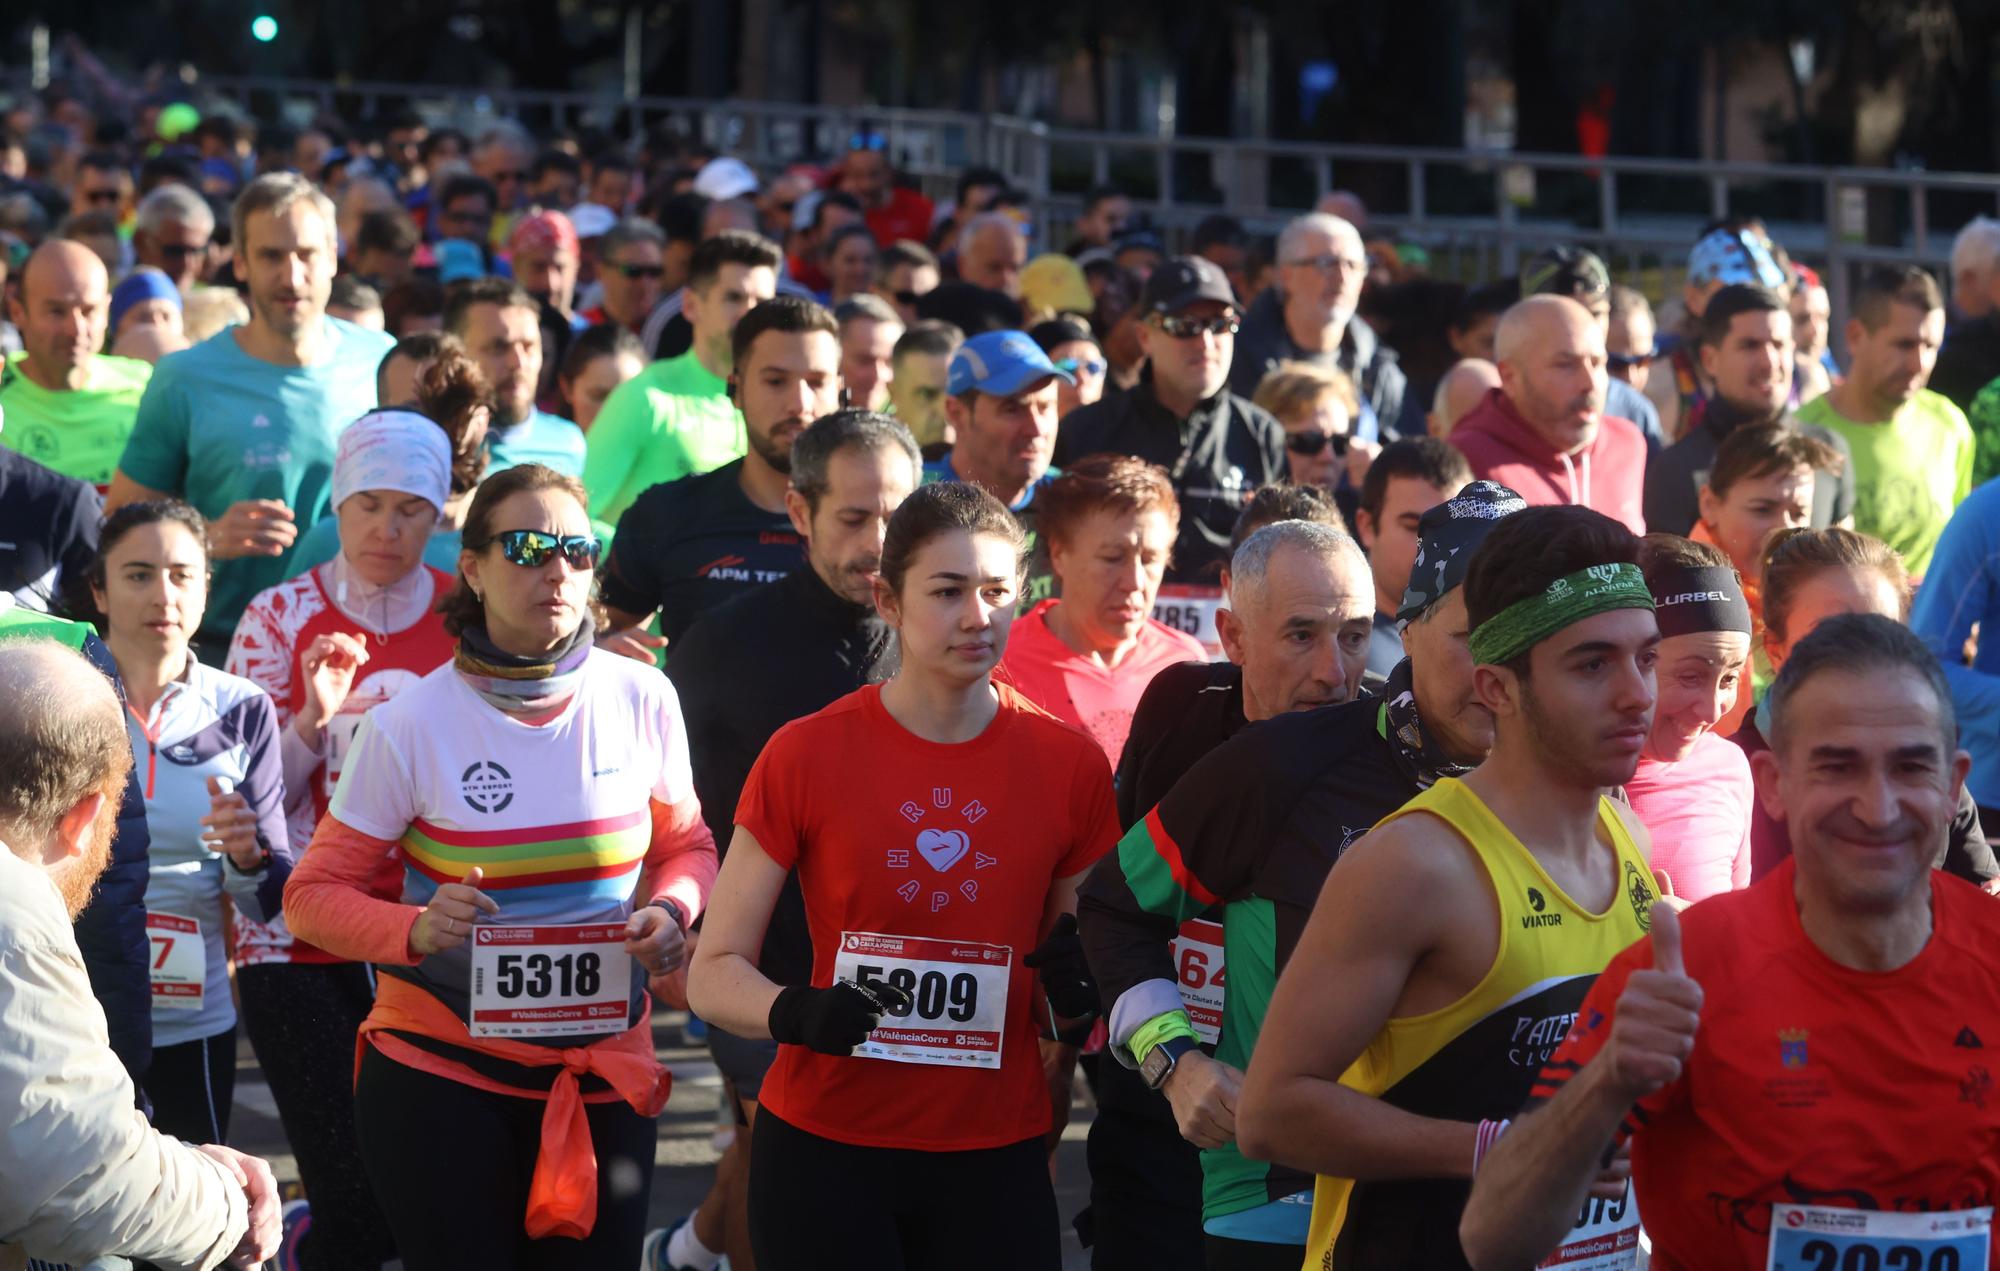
(1001,363)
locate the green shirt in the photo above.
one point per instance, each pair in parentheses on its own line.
(79,434)
(674,419)
(1909,473)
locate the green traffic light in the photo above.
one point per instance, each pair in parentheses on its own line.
(264,27)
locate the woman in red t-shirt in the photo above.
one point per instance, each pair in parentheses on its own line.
(1087,658)
(940,825)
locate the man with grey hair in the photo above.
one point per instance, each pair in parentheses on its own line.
(749,667)
(243,424)
(171,234)
(82,1175)
(1309,316)
(1254,828)
(1969,359)
(991,251)
(869,329)
(631,269)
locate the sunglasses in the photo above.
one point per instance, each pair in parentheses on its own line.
(181,251)
(1093,367)
(642,271)
(1626,361)
(100,196)
(1188,328)
(1311,443)
(532,548)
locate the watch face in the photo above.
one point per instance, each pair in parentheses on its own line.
(1155,1067)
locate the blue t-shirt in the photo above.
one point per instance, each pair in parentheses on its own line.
(321,544)
(218,426)
(542,438)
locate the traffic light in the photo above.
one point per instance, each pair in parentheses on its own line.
(264,28)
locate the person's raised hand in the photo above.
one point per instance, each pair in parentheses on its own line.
(230,828)
(1658,1014)
(252,527)
(447,921)
(327,668)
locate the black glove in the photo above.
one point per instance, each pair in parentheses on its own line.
(833,1021)
(1065,975)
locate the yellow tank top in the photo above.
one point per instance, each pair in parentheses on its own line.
(1477,1058)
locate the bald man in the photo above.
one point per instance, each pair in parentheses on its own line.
(1460,391)
(1543,431)
(68,406)
(991,251)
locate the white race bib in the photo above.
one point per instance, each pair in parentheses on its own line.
(340,732)
(550,981)
(1605,1237)
(958,991)
(180,961)
(1191,609)
(1198,964)
(1823,1238)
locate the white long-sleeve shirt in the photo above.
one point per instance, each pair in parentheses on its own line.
(82,1174)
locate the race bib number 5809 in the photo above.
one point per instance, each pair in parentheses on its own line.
(549,981)
(958,992)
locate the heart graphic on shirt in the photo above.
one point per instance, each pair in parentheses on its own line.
(943,848)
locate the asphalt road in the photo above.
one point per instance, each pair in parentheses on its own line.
(686,1154)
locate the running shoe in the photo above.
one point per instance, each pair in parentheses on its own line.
(653,1253)
(297,1220)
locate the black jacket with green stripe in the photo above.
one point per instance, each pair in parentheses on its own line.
(1253,828)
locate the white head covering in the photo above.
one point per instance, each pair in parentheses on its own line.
(396,450)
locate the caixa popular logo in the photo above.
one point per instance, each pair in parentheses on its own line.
(487,786)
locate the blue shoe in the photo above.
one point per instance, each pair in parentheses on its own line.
(695,1031)
(297,1220)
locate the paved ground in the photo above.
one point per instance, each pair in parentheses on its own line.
(686,1154)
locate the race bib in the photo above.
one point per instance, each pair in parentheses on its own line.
(180,961)
(550,981)
(1822,1238)
(958,992)
(1198,964)
(1191,610)
(1605,1237)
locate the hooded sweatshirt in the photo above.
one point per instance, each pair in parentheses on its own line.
(1608,475)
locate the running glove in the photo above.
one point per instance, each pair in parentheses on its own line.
(1065,975)
(833,1021)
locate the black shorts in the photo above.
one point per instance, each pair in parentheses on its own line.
(741,1060)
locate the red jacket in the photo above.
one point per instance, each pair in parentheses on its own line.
(1608,475)
(907,214)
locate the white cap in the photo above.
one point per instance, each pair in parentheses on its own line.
(592,220)
(725,178)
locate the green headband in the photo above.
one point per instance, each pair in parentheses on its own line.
(1526,623)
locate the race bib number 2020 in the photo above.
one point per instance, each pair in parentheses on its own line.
(1825,1238)
(958,992)
(557,981)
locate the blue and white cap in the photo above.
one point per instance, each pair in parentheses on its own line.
(1001,363)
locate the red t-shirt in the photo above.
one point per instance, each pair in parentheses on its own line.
(907,214)
(1075,689)
(929,865)
(1811,1083)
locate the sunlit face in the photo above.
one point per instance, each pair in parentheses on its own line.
(586,393)
(1559,381)
(956,606)
(287,260)
(1893,361)
(1390,536)
(383,533)
(1866,780)
(63,310)
(866,347)
(1111,564)
(1812,317)
(1742,520)
(547,273)
(632,278)
(1197,365)
(530,611)
(713,311)
(155,590)
(1828,593)
(1699,676)
(1323,275)
(1439,645)
(789,379)
(1586,709)
(1006,443)
(850,266)
(1752,367)
(175,248)
(1324,423)
(864,486)
(1085,363)
(506,341)
(917,392)
(1301,636)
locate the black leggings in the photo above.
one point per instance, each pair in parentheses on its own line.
(192,1085)
(452,1165)
(823,1205)
(302,1018)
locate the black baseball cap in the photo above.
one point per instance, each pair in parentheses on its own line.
(1184,280)
(1565,271)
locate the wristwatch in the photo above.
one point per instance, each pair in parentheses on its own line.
(1161,1060)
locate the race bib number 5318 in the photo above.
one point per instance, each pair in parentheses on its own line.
(958,997)
(549,981)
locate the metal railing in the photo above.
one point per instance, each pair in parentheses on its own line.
(1477,212)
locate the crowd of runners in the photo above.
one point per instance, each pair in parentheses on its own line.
(1463,773)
